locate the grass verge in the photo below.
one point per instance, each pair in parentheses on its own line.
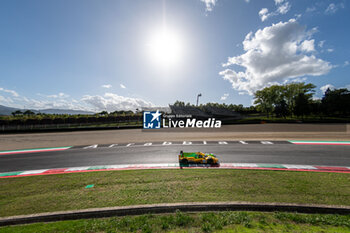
(198,222)
(36,194)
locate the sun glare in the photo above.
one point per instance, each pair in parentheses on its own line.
(165,48)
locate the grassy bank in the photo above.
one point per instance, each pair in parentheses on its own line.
(36,194)
(200,222)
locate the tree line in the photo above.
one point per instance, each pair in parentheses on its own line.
(103,113)
(232,107)
(30,118)
(293,99)
(297,99)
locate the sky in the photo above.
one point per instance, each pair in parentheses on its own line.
(122,55)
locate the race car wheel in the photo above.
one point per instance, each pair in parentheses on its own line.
(184,161)
(210,161)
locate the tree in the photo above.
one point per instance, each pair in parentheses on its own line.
(316,107)
(179,103)
(292,90)
(281,109)
(267,98)
(282,97)
(302,106)
(17,112)
(28,112)
(103,113)
(336,102)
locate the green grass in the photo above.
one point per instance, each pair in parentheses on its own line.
(36,194)
(198,222)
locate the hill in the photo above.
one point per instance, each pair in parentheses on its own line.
(4,110)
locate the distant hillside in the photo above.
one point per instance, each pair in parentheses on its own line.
(8,111)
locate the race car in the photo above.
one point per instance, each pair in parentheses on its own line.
(197,157)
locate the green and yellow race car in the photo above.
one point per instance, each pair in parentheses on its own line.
(198,158)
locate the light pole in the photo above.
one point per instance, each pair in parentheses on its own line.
(199,95)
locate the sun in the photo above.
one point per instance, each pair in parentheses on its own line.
(165,48)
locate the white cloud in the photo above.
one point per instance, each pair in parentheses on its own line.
(298,16)
(282,8)
(56,102)
(321,43)
(274,54)
(224,97)
(209,4)
(6,100)
(122,86)
(108,101)
(330,50)
(310,9)
(332,8)
(331,87)
(106,86)
(263,13)
(13,93)
(325,87)
(278,1)
(2,99)
(59,95)
(346,63)
(247,1)
(308,46)
(112,102)
(63,95)
(296,80)
(52,96)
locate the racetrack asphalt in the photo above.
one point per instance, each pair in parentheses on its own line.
(279,152)
(324,132)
